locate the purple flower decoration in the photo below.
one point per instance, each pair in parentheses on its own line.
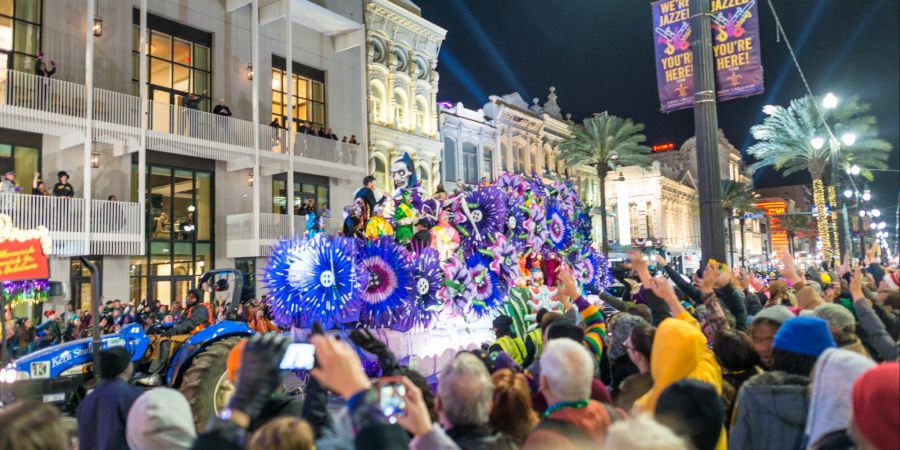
(456,289)
(558,228)
(313,280)
(512,183)
(536,227)
(517,216)
(502,255)
(489,290)
(487,208)
(389,287)
(427,274)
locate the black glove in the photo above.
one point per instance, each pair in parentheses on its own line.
(259,375)
(386,360)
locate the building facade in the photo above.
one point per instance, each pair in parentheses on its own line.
(165,189)
(401,61)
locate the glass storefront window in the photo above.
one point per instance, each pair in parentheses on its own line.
(247,267)
(180,215)
(318,193)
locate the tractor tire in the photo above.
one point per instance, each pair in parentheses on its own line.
(205,383)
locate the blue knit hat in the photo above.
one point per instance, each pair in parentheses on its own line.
(804,335)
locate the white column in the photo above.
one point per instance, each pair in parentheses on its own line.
(142,150)
(479,157)
(88,121)
(254,60)
(497,157)
(510,164)
(460,169)
(289,123)
(624,211)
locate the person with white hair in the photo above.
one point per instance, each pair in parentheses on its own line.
(465,393)
(572,420)
(642,433)
(160,418)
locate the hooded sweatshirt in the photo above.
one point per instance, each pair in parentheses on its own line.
(160,418)
(680,351)
(830,403)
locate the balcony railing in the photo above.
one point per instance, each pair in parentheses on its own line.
(272,228)
(115,226)
(50,106)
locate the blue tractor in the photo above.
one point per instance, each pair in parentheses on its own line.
(62,374)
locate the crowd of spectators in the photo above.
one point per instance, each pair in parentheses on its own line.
(711,363)
(312,129)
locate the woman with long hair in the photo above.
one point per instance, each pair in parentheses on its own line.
(511,411)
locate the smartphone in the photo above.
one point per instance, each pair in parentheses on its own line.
(391,397)
(298,357)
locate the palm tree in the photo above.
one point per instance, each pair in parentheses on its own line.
(793,224)
(737,199)
(603,142)
(786,138)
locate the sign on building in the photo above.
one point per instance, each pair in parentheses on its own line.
(23,253)
(738,64)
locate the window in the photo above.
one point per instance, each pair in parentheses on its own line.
(487,169)
(380,173)
(304,190)
(470,164)
(247,267)
(178,60)
(307,90)
(421,114)
(23,162)
(449,160)
(180,220)
(20,34)
(518,159)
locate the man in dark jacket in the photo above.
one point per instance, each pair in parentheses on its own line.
(422,238)
(367,194)
(101,415)
(194,318)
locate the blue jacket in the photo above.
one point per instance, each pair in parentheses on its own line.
(102,414)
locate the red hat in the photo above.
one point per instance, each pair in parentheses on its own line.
(49,313)
(876,395)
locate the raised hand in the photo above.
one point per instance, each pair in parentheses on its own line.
(661,260)
(339,367)
(790,269)
(416,421)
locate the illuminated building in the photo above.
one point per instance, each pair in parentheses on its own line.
(401,58)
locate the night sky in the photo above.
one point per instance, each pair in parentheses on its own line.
(599,55)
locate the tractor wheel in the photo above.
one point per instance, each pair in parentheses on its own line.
(205,384)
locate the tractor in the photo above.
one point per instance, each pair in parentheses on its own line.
(62,374)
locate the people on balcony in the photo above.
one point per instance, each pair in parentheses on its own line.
(37,185)
(353,139)
(9,184)
(62,188)
(41,68)
(329,134)
(221,109)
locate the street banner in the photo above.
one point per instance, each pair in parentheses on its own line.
(738,64)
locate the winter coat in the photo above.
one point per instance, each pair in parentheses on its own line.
(593,420)
(102,415)
(770,412)
(830,399)
(680,351)
(480,437)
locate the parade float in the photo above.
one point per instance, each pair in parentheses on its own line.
(491,250)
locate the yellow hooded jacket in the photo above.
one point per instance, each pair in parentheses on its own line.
(680,351)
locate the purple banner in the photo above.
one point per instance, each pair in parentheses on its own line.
(738,65)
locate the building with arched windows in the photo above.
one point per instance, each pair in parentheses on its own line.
(402,50)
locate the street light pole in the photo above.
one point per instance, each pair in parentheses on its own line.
(706,131)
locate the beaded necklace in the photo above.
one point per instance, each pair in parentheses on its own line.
(563,405)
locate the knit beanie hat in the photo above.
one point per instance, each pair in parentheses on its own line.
(112,362)
(160,418)
(876,395)
(838,317)
(804,335)
(621,329)
(692,409)
(776,313)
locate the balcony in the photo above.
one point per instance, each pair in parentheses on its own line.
(240,241)
(115,227)
(50,106)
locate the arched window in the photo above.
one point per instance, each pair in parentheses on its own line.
(378,101)
(421,114)
(424,173)
(535,161)
(450,160)
(379,171)
(400,110)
